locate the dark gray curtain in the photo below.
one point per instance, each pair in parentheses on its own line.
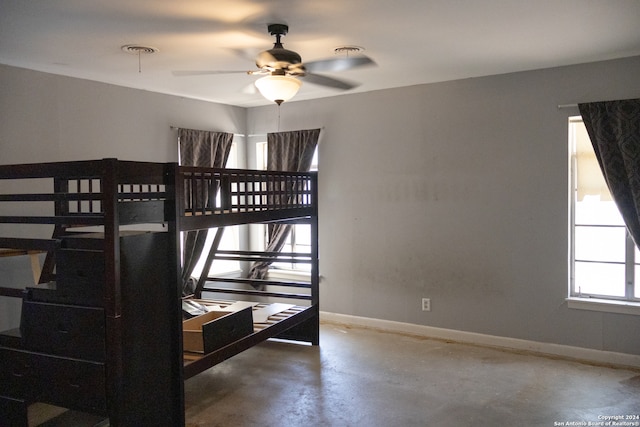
(287,151)
(614,130)
(203,149)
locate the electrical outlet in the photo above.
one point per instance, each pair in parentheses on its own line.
(426,304)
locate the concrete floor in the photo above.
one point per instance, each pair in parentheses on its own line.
(361,377)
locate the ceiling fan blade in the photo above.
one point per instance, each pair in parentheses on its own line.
(338,64)
(248,54)
(328,81)
(205,72)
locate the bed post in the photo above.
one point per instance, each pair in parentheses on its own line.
(174,208)
(315,260)
(113,294)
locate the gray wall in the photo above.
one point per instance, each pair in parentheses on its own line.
(458,192)
(455,191)
(45,118)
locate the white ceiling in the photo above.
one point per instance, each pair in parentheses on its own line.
(412,41)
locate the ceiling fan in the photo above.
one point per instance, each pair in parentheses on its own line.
(281,68)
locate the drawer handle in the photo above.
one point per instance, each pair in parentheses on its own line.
(62,329)
(18,374)
(74,385)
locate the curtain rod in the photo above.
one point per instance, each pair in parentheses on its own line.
(264,134)
(235,134)
(575,105)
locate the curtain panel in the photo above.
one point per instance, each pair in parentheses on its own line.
(614,130)
(202,149)
(287,151)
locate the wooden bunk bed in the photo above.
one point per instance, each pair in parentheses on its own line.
(103,331)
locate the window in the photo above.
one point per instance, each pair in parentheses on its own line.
(604,259)
(230,237)
(299,240)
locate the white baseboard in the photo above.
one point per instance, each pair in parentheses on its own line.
(546,349)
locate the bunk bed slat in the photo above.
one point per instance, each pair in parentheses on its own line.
(235,218)
(49,197)
(67,219)
(48,170)
(257,293)
(267,258)
(29,244)
(11,292)
(306,285)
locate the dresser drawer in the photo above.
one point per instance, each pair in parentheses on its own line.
(70,383)
(80,276)
(17,376)
(63,330)
(13,412)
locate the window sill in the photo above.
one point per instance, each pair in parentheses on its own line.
(223,274)
(604,305)
(278,274)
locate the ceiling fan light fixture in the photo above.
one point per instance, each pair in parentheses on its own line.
(278,89)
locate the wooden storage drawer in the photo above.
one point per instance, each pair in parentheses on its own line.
(63,330)
(11,338)
(80,276)
(216,329)
(13,412)
(17,376)
(74,384)
(48,292)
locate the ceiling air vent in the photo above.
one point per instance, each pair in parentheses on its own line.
(137,49)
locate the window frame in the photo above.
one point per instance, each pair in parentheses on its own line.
(224,268)
(627,304)
(302,269)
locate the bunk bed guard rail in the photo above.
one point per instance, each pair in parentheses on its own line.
(239,193)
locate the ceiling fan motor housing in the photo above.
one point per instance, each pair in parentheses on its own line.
(278,57)
(278,29)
